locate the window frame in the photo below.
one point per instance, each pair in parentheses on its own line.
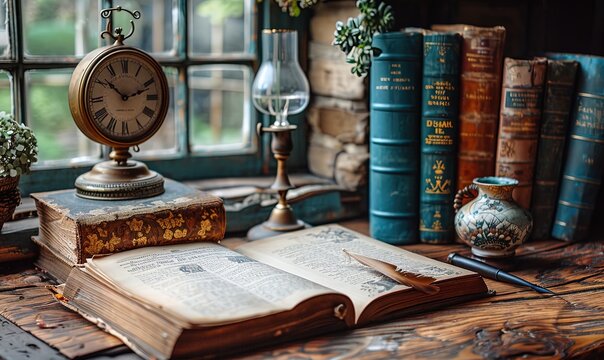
(185,165)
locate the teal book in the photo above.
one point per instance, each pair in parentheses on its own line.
(439,127)
(395,95)
(557,105)
(584,163)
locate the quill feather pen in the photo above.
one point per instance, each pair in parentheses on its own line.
(419,282)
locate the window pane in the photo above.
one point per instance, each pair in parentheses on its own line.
(49,117)
(60,27)
(219,27)
(6,100)
(155,31)
(219,107)
(5,52)
(165,140)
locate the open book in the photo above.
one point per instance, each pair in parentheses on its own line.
(203,298)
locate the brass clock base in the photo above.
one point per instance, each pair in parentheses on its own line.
(112,181)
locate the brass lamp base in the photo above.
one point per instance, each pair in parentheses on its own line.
(281,220)
(111,180)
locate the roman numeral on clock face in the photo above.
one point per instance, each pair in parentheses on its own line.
(125,128)
(151,97)
(149,82)
(149,112)
(111,70)
(138,123)
(111,125)
(100,115)
(124,66)
(97,99)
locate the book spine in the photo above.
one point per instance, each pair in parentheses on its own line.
(198,222)
(395,96)
(584,164)
(557,103)
(519,121)
(482,58)
(440,109)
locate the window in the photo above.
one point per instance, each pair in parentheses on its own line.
(206,47)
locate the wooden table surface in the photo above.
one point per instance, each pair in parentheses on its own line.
(515,323)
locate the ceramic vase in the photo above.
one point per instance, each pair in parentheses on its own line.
(9,198)
(492,223)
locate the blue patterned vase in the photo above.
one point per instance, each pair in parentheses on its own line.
(493,224)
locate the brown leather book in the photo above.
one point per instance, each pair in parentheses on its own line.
(77,228)
(482,57)
(203,300)
(519,122)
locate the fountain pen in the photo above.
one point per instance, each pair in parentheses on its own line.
(492,272)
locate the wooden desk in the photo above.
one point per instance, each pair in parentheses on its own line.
(514,323)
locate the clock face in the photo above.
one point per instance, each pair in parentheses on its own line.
(126,97)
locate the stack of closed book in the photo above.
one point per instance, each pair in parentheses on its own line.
(73,229)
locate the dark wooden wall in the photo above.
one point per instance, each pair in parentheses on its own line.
(534,27)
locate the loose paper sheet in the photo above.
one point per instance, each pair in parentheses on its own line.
(316,254)
(204,282)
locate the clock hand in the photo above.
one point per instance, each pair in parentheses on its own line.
(111,86)
(139,92)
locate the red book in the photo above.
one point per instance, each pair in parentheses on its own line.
(519,122)
(481,60)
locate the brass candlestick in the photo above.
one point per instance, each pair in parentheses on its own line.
(282,218)
(280,89)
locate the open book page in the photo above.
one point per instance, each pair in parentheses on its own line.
(316,254)
(203,283)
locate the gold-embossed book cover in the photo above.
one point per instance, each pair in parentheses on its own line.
(79,228)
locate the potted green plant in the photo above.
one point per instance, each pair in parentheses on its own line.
(18,150)
(355,36)
(295,7)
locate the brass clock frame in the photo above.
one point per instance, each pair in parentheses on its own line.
(120,178)
(80,85)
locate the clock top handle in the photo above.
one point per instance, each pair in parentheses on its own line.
(118,37)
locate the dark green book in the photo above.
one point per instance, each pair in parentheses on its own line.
(395,96)
(558,100)
(584,163)
(439,127)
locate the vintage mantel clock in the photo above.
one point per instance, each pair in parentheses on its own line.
(118,96)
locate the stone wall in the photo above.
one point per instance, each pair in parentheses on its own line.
(338,115)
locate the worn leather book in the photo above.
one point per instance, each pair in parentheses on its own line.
(201,299)
(557,103)
(439,126)
(481,62)
(395,80)
(78,228)
(584,163)
(519,121)
(52,262)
